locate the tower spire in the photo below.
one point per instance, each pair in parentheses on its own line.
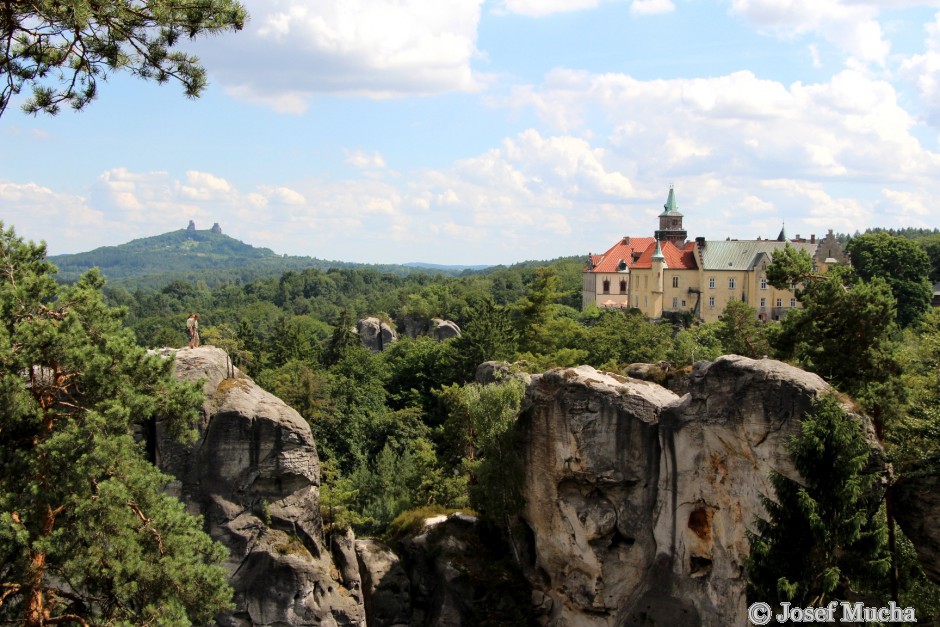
(670,222)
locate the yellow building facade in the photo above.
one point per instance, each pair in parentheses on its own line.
(668,275)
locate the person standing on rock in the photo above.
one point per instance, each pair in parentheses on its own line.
(192,326)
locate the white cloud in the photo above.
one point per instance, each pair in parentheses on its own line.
(292,50)
(64,221)
(851,26)
(907,208)
(281,196)
(651,7)
(923,70)
(362,159)
(814,55)
(541,8)
(850,126)
(205,186)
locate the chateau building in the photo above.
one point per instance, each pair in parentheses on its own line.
(667,274)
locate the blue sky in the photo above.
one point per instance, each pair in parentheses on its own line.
(472,131)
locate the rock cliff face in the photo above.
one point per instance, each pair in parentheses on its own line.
(254,476)
(444,329)
(917,509)
(375,334)
(415,326)
(638,499)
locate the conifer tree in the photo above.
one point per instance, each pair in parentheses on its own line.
(87,534)
(823,536)
(61,49)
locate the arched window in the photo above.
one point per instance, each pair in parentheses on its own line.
(607,286)
(623,286)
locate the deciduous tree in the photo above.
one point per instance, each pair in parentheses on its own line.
(902,264)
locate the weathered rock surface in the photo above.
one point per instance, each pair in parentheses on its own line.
(917,510)
(444,329)
(415,326)
(461,576)
(375,334)
(386,584)
(638,499)
(254,476)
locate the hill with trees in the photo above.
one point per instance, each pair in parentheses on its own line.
(206,256)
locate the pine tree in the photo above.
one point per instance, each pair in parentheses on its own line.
(823,536)
(87,534)
(62,49)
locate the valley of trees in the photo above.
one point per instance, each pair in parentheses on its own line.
(407,431)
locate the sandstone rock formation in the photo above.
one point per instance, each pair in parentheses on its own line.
(917,510)
(444,329)
(386,584)
(638,499)
(415,326)
(451,574)
(375,334)
(254,476)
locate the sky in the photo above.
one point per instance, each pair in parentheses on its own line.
(496,131)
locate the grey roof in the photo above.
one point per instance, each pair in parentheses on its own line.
(744,254)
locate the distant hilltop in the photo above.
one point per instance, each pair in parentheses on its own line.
(209,256)
(215,227)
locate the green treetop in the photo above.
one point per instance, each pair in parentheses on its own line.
(822,539)
(87,534)
(61,49)
(902,263)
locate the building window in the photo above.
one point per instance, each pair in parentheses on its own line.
(763,302)
(675,302)
(646,301)
(607,286)
(711,301)
(731,283)
(793,302)
(675,281)
(779,302)
(623,286)
(711,282)
(683,303)
(763,283)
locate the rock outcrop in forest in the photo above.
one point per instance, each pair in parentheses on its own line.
(638,499)
(254,476)
(637,502)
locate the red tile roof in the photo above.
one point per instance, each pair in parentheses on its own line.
(677,258)
(624,249)
(643,248)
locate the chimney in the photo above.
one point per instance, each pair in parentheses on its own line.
(812,238)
